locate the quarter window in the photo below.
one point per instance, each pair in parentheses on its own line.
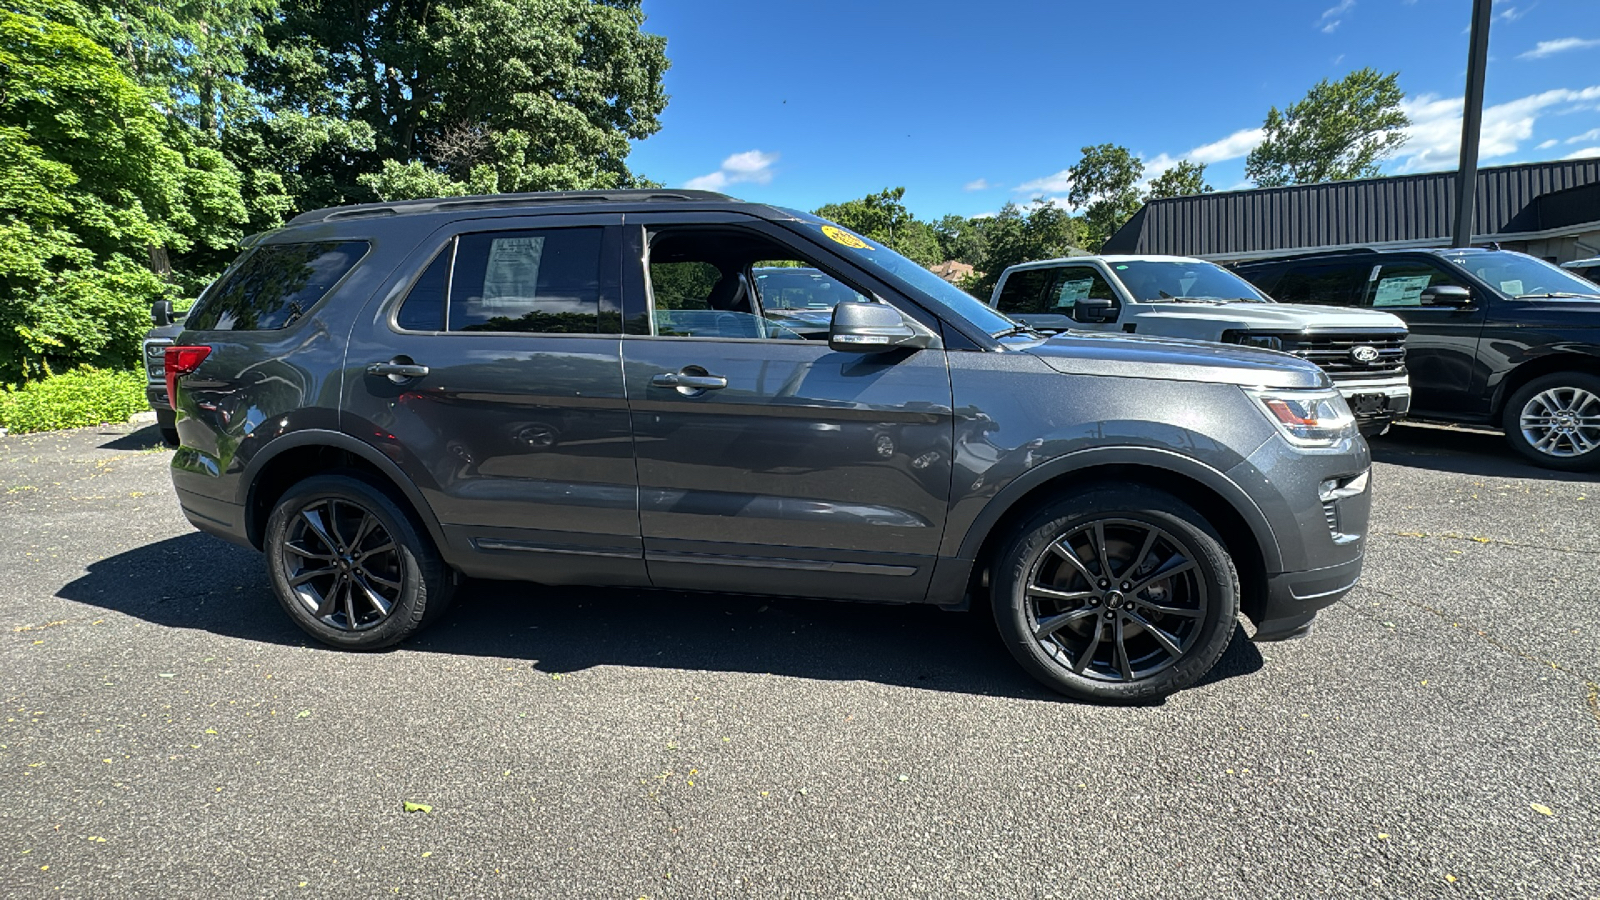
(274,285)
(423,308)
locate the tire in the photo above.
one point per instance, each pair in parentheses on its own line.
(1175,613)
(355,595)
(167,425)
(1554,421)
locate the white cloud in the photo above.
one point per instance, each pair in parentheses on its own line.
(1512,13)
(1559,45)
(1059,183)
(1585,153)
(1235,145)
(1592,134)
(1333,15)
(1546,145)
(751,166)
(1435,134)
(979,184)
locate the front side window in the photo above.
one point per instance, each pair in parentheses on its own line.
(274,285)
(545,281)
(1023,292)
(1075,283)
(738,284)
(1401,284)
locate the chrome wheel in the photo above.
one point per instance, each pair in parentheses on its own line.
(342,565)
(1116,600)
(1562,422)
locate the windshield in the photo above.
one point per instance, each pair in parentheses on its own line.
(1156,280)
(912,275)
(800,288)
(1520,275)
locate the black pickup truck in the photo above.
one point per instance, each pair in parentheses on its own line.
(1496,338)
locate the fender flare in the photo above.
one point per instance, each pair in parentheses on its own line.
(1148,457)
(318,437)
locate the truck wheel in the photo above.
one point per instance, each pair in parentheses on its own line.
(1120,595)
(350,567)
(1554,421)
(167,424)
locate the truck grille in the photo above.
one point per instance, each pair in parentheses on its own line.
(1334,352)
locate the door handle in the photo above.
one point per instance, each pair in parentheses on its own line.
(687,382)
(396,370)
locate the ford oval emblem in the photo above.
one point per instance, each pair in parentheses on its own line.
(1364,354)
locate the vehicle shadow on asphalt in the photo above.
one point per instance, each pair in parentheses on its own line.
(1461,452)
(198,582)
(146,438)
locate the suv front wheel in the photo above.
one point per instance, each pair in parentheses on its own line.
(350,567)
(1116,594)
(1554,421)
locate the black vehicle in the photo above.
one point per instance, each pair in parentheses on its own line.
(1496,337)
(598,388)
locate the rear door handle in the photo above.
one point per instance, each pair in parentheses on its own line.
(397,371)
(689,382)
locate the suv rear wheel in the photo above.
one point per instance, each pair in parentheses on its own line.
(350,567)
(1122,595)
(1554,420)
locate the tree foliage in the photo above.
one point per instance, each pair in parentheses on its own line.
(1340,130)
(1105,184)
(1185,179)
(1045,231)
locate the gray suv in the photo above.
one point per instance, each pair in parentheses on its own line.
(595,388)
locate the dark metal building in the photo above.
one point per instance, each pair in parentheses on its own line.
(1551,210)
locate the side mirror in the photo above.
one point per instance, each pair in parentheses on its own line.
(872,328)
(161,313)
(1446,295)
(1095,309)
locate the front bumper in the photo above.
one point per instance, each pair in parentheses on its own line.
(1293,598)
(1376,402)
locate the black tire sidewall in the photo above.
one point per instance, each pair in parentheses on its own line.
(1016,559)
(1511,421)
(424,583)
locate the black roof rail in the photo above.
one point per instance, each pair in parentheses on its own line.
(1312,254)
(490,201)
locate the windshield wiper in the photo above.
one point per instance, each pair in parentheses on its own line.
(1171,299)
(1567,294)
(1014,330)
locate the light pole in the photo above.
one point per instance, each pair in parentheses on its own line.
(1471,123)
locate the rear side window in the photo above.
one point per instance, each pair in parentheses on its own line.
(423,309)
(1337,285)
(545,281)
(275,285)
(1023,292)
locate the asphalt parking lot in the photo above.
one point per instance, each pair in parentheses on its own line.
(168,733)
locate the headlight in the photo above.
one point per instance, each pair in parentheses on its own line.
(1307,418)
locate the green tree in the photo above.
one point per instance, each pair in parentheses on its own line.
(885,219)
(1340,130)
(506,95)
(1185,179)
(93,192)
(1105,184)
(963,239)
(1045,231)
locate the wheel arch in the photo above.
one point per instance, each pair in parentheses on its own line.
(297,456)
(1566,361)
(1244,529)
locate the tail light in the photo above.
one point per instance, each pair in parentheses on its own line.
(182,361)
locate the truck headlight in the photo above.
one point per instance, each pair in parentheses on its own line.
(1307,418)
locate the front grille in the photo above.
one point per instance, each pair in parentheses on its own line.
(1332,352)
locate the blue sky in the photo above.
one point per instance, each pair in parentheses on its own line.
(969,105)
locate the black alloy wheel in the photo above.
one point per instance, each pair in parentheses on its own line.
(350,567)
(1123,595)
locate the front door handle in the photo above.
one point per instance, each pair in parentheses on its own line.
(398,369)
(685,381)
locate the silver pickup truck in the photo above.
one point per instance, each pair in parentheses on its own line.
(1362,351)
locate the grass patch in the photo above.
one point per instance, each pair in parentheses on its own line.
(73,400)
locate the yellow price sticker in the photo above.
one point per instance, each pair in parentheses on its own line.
(840,236)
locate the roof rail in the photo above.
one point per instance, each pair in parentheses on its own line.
(487,201)
(1309,254)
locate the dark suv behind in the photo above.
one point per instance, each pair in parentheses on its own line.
(1496,338)
(597,388)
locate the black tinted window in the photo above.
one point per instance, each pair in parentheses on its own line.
(423,308)
(1402,283)
(1023,291)
(275,285)
(1335,285)
(544,281)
